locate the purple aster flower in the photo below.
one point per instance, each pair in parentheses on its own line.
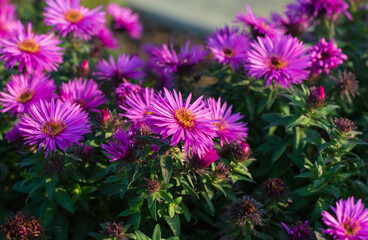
(31,51)
(351,222)
(107,38)
(171,62)
(54,125)
(124,18)
(330,8)
(137,105)
(228,46)
(85,93)
(228,128)
(259,26)
(68,16)
(183,121)
(208,157)
(8,23)
(126,66)
(299,231)
(14,135)
(124,89)
(121,148)
(24,90)
(282,60)
(295,22)
(326,56)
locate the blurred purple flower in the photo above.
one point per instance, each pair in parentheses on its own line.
(228,46)
(107,38)
(208,157)
(329,8)
(121,148)
(124,89)
(124,18)
(299,231)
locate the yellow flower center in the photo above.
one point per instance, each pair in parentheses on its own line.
(248,207)
(53,128)
(29,45)
(277,62)
(73,16)
(185,118)
(351,228)
(221,125)
(25,96)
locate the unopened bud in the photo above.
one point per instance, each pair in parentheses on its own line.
(316,96)
(241,151)
(344,125)
(83,69)
(105,117)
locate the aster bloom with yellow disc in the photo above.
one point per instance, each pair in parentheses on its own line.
(68,16)
(85,93)
(171,117)
(283,60)
(24,90)
(8,21)
(54,125)
(351,222)
(228,127)
(33,52)
(137,105)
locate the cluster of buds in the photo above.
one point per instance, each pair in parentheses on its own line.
(115,230)
(344,125)
(275,187)
(152,185)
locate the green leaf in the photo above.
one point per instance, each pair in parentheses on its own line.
(141,236)
(61,226)
(126,212)
(50,184)
(186,211)
(135,219)
(47,212)
(209,203)
(166,167)
(164,148)
(189,189)
(174,224)
(63,198)
(166,196)
(280,149)
(152,210)
(156,233)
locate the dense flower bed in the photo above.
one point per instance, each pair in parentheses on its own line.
(97,143)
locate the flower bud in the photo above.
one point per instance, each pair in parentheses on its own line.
(299,230)
(83,69)
(85,153)
(152,185)
(114,230)
(105,117)
(221,172)
(246,209)
(54,165)
(241,151)
(344,125)
(316,96)
(275,187)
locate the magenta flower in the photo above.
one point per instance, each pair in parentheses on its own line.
(326,56)
(31,51)
(228,127)
(126,66)
(208,157)
(68,16)
(351,222)
(124,89)
(121,148)
(107,38)
(183,121)
(85,93)
(8,23)
(14,136)
(330,8)
(259,26)
(171,62)
(124,18)
(54,125)
(24,90)
(228,46)
(137,105)
(282,60)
